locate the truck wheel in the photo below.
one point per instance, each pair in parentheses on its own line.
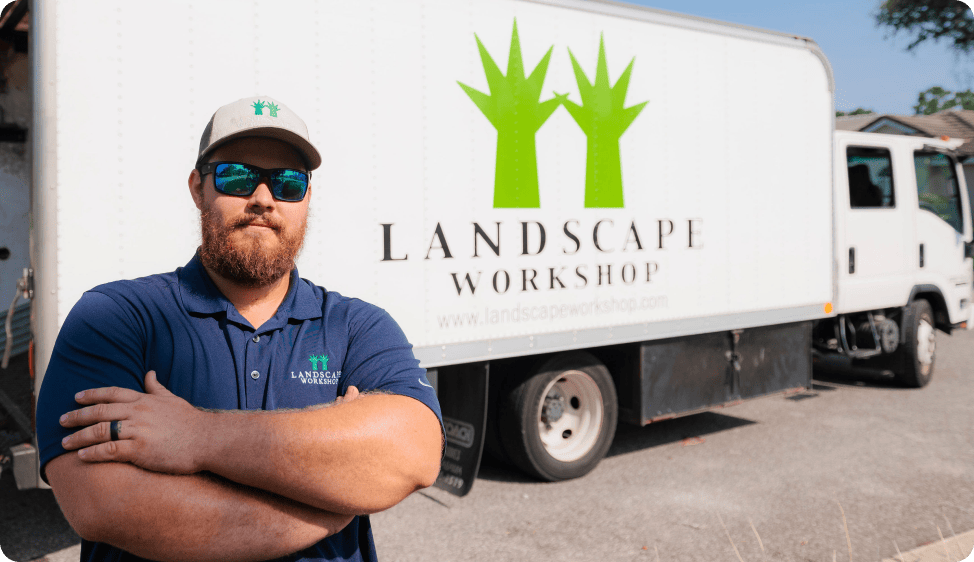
(916,358)
(558,423)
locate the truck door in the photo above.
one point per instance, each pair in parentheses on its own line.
(875,262)
(943,225)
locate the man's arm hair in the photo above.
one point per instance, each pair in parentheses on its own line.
(360,457)
(187,518)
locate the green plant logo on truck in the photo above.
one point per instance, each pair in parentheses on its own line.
(514,108)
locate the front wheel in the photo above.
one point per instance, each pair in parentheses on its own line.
(916,358)
(558,423)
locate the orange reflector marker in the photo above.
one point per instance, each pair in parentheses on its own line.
(828,308)
(945,137)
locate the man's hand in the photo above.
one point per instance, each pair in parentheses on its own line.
(158,430)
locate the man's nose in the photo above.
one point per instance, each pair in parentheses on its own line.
(262,196)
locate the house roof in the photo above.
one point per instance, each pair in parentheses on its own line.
(957,124)
(854,122)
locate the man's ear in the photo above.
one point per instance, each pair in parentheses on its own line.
(196,188)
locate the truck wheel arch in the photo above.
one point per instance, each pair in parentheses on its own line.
(933,295)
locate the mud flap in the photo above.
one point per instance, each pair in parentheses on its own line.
(462,391)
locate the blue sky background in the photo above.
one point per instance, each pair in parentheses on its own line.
(872,69)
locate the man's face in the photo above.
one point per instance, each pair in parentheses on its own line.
(252,240)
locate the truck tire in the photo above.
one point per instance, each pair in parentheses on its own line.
(558,423)
(914,365)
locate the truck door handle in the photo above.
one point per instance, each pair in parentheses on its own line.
(921,255)
(852,260)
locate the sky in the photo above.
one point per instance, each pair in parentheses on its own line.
(872,68)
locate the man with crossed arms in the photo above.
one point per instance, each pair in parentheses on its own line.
(183,415)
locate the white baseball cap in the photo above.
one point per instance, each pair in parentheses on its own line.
(257,116)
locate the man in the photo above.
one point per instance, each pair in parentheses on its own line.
(182,415)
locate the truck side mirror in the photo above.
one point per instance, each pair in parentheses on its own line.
(968,250)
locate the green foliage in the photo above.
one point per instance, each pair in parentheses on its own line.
(857,111)
(515,110)
(938,205)
(930,20)
(938,99)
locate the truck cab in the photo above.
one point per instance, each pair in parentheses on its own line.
(903,251)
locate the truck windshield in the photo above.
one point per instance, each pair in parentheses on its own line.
(937,187)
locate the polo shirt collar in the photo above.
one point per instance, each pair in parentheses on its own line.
(201,296)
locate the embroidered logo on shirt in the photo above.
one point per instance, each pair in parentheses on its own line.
(315,359)
(314,376)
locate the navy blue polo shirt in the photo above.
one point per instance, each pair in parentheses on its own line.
(179,325)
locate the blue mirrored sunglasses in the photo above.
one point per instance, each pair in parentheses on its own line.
(241,180)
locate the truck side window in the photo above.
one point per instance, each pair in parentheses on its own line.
(870,178)
(937,187)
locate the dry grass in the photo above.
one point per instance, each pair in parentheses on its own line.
(845,525)
(729,538)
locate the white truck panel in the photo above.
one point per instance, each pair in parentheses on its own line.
(735,148)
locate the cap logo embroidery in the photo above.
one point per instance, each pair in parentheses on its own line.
(273,107)
(259,107)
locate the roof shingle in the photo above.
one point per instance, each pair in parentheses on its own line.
(958,124)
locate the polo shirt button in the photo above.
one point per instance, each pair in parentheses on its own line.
(254,375)
(256,339)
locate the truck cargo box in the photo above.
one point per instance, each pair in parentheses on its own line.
(505,178)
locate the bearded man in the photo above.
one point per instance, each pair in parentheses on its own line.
(214,412)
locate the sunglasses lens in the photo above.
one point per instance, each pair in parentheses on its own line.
(290,185)
(235,179)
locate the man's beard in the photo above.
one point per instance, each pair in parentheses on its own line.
(249,262)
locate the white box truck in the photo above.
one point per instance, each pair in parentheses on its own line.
(580,212)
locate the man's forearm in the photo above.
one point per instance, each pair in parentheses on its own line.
(360,457)
(183,518)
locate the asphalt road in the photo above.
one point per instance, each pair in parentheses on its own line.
(789,474)
(786,474)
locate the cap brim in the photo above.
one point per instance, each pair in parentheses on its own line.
(312,158)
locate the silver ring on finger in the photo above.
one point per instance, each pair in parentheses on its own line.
(115,427)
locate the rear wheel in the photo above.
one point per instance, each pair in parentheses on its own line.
(558,423)
(914,365)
